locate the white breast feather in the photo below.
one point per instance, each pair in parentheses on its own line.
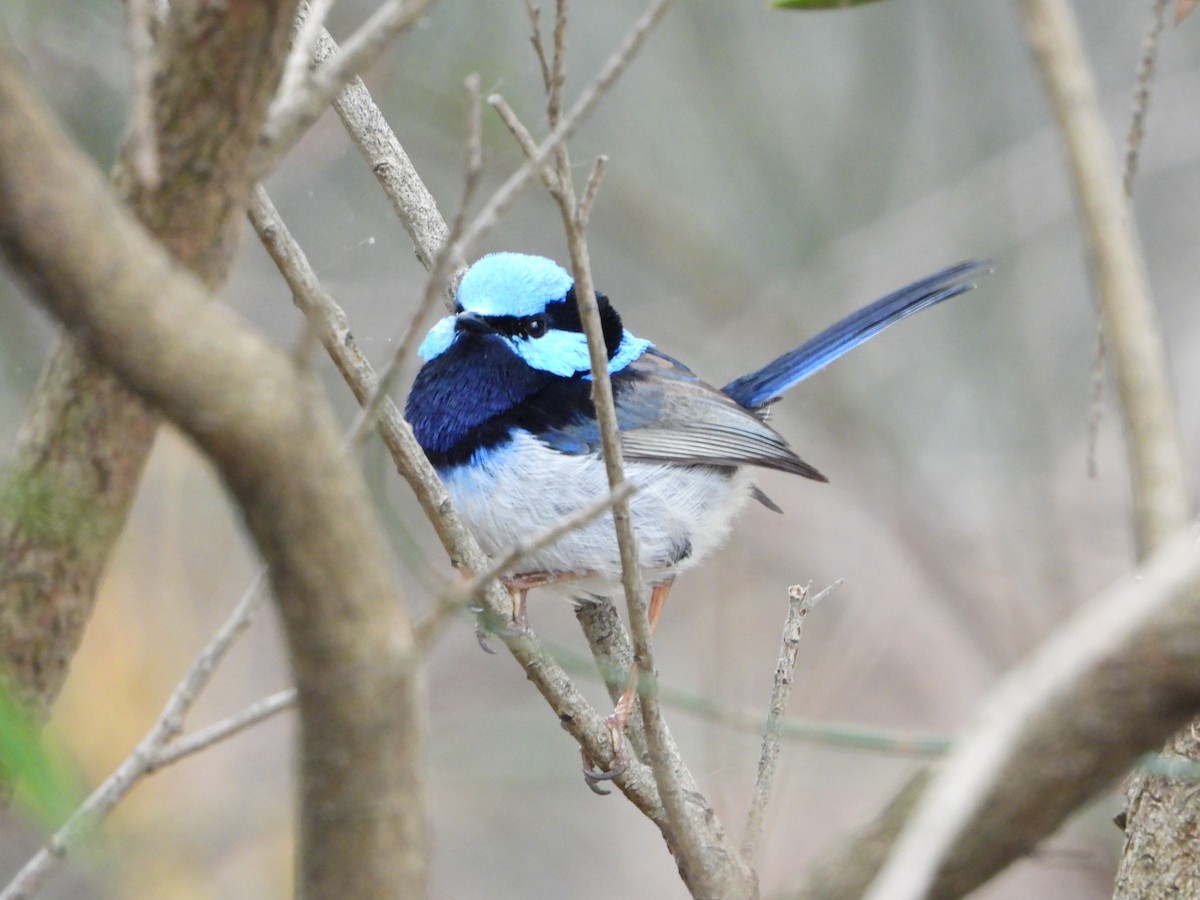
(525,487)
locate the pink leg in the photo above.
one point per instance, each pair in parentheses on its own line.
(620,716)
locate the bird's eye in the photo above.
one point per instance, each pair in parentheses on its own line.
(535,327)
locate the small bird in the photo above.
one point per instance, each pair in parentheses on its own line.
(502,407)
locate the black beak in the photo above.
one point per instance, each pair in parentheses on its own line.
(471,323)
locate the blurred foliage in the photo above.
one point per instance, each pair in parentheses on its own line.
(47,785)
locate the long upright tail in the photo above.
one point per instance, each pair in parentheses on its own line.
(761,387)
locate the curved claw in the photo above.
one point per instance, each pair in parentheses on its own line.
(593,782)
(481,635)
(593,775)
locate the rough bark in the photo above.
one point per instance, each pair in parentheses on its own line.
(83,447)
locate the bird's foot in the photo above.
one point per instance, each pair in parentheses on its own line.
(593,775)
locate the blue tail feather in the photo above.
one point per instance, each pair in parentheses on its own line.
(761,387)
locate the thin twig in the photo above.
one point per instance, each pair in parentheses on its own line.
(143,63)
(589,193)
(517,128)
(799,605)
(685,839)
(1096,398)
(142,760)
(258,711)
(1133,144)
(1141,91)
(539,49)
(604,80)
(558,80)
(393,170)
(1154,450)
(293,111)
(293,82)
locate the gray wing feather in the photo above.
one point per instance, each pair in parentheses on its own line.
(667,414)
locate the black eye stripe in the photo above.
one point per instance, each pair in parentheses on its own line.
(518,326)
(561,315)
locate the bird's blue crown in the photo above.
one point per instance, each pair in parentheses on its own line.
(529,301)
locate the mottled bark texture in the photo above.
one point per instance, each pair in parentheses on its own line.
(80,454)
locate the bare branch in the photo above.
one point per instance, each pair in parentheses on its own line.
(293,82)
(256,712)
(146,756)
(539,48)
(1141,91)
(547,173)
(143,137)
(589,193)
(1118,678)
(799,605)
(609,72)
(685,838)
(1161,497)
(295,109)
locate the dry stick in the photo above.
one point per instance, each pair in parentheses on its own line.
(704,872)
(611,70)
(1133,144)
(203,738)
(310,22)
(143,63)
(1161,506)
(145,756)
(1121,674)
(397,177)
(687,843)
(293,111)
(799,605)
(1141,92)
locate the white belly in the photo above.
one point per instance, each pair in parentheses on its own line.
(680,513)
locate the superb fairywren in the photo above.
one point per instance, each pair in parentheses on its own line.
(503,409)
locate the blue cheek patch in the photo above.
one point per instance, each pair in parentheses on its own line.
(565,353)
(629,349)
(439,339)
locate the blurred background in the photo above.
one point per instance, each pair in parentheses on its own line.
(769,172)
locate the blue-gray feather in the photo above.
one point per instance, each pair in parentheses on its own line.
(760,387)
